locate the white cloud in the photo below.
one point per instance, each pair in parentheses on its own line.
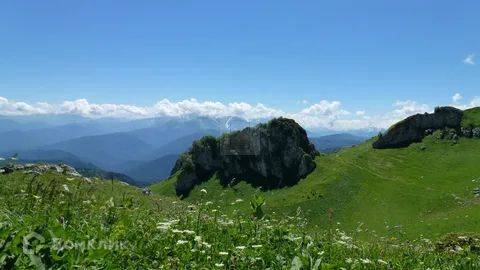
(164,107)
(84,108)
(469,60)
(214,109)
(406,108)
(475,102)
(9,107)
(325,108)
(456,98)
(360,113)
(324,114)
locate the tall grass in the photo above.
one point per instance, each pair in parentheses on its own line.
(52,222)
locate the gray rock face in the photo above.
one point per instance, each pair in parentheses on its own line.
(476,132)
(41,168)
(416,127)
(270,155)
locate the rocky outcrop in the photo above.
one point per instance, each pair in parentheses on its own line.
(41,168)
(416,127)
(271,155)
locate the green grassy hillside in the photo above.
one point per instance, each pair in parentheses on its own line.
(53,221)
(471,117)
(424,189)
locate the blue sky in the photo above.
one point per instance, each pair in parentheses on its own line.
(365,54)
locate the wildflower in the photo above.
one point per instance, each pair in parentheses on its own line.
(239,200)
(198,238)
(208,203)
(65,187)
(366,261)
(181,242)
(257,246)
(166,225)
(219,265)
(203,190)
(380,261)
(240,247)
(223,253)
(349,260)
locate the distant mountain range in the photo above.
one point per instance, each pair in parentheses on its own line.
(331,143)
(141,151)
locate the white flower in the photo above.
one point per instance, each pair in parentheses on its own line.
(240,247)
(349,260)
(382,261)
(181,242)
(366,261)
(219,265)
(239,200)
(203,190)
(257,246)
(223,253)
(198,238)
(208,203)
(65,187)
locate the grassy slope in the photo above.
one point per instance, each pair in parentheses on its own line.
(142,232)
(407,192)
(471,117)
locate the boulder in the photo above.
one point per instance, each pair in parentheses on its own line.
(41,168)
(415,128)
(476,132)
(271,155)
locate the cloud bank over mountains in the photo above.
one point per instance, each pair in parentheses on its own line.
(324,114)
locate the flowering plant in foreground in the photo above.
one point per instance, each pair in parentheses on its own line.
(131,231)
